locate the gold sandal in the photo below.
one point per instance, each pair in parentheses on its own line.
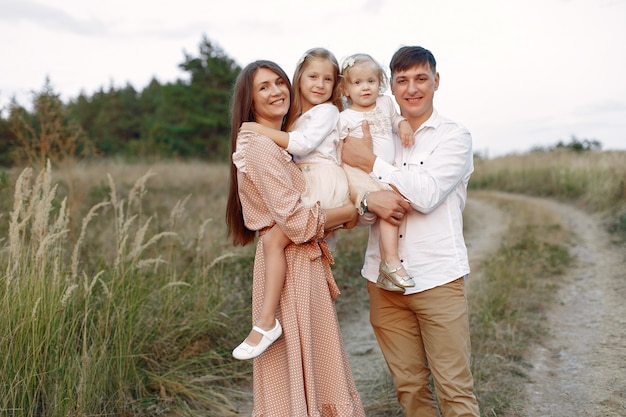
(392,275)
(387,285)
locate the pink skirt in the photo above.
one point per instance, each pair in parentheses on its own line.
(326,183)
(361,182)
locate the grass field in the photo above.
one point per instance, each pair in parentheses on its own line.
(121,296)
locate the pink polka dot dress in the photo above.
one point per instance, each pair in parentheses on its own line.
(306,372)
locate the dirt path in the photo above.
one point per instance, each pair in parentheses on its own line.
(579,370)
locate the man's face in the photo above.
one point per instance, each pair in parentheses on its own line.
(414,90)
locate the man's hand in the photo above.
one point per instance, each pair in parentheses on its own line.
(357,152)
(388,205)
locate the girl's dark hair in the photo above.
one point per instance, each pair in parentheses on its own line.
(242,110)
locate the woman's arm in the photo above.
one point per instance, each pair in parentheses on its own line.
(345,216)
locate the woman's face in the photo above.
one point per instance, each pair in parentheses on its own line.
(271,98)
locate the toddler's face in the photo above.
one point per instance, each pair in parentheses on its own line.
(362,87)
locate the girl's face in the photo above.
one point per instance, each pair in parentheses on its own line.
(317,83)
(271,98)
(362,86)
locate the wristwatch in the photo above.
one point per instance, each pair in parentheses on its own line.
(363,206)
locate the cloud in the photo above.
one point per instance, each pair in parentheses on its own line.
(51,18)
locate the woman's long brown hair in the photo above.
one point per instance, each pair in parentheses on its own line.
(242,110)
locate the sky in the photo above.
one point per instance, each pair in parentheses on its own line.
(519,74)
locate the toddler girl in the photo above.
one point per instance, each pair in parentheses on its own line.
(362,81)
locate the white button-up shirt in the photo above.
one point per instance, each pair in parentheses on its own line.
(433,175)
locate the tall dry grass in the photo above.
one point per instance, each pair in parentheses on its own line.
(130,317)
(594,180)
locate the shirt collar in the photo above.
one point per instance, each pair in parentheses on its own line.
(433,121)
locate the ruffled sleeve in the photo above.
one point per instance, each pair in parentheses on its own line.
(270,190)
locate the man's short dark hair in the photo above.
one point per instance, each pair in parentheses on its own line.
(410,56)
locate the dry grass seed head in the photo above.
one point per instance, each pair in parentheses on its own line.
(139,189)
(178,210)
(66,295)
(75,253)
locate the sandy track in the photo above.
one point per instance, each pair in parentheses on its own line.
(579,369)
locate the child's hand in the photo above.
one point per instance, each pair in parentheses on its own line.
(253,126)
(406,134)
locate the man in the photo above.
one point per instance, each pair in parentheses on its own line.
(424,330)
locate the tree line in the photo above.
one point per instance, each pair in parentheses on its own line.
(188,118)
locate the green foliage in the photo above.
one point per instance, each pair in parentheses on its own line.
(7,138)
(186,118)
(48,133)
(619,227)
(575,144)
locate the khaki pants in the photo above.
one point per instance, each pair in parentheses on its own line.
(426,333)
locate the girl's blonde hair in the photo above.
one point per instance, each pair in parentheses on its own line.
(296,102)
(362,59)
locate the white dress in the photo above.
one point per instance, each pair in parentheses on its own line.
(383,120)
(314,143)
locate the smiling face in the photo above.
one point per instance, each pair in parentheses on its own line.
(271,98)
(414,90)
(317,83)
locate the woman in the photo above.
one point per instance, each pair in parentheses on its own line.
(305,372)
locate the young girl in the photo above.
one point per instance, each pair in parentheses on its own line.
(312,138)
(362,81)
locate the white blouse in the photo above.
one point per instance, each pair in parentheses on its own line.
(315,136)
(382,120)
